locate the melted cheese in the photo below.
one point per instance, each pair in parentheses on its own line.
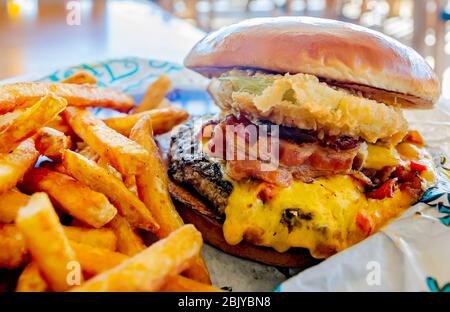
(380,156)
(328,210)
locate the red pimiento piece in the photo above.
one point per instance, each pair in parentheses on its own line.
(386,190)
(364,223)
(417,167)
(266,193)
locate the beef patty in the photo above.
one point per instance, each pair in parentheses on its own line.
(194,169)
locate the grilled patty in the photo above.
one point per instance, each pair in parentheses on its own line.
(194,169)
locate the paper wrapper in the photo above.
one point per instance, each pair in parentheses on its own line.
(412,253)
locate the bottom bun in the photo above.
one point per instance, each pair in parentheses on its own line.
(194,211)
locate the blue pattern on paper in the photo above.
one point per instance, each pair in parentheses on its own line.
(132,75)
(439,197)
(434,286)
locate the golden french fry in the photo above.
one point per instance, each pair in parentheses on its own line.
(95,260)
(71,196)
(163,120)
(100,238)
(30,121)
(165,103)
(155,94)
(81,78)
(19,95)
(180,283)
(92,260)
(45,239)
(130,183)
(58,123)
(14,165)
(103,163)
(152,185)
(148,270)
(10,202)
(7,119)
(89,153)
(97,178)
(126,156)
(13,252)
(152,182)
(128,242)
(31,280)
(51,143)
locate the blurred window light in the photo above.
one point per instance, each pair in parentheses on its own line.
(352,9)
(317,5)
(446,82)
(430,37)
(298,6)
(22,9)
(406,9)
(261,5)
(447,48)
(431,6)
(430,60)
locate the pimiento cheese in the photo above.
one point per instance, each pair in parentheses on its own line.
(325,216)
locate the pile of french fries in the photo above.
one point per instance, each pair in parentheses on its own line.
(79,218)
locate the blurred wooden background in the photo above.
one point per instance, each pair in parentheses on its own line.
(422,24)
(36,37)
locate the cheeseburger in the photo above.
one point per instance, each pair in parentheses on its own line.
(311,152)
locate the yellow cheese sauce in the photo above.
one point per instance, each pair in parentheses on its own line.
(325,216)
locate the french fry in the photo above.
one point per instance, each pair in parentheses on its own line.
(98,179)
(103,163)
(51,143)
(163,120)
(130,183)
(81,78)
(155,94)
(122,153)
(148,270)
(10,202)
(165,103)
(7,119)
(58,123)
(152,185)
(81,224)
(94,260)
(31,280)
(30,121)
(20,95)
(71,196)
(13,252)
(14,165)
(128,242)
(180,283)
(89,153)
(46,241)
(100,238)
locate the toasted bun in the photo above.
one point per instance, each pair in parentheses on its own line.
(194,211)
(332,50)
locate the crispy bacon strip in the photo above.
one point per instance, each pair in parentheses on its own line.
(19,95)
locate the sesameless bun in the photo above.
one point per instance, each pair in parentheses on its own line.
(342,53)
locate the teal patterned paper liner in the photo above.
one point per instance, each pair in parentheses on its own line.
(132,75)
(439,196)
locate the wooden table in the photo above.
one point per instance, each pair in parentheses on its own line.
(35,38)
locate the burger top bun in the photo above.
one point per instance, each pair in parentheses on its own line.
(342,53)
